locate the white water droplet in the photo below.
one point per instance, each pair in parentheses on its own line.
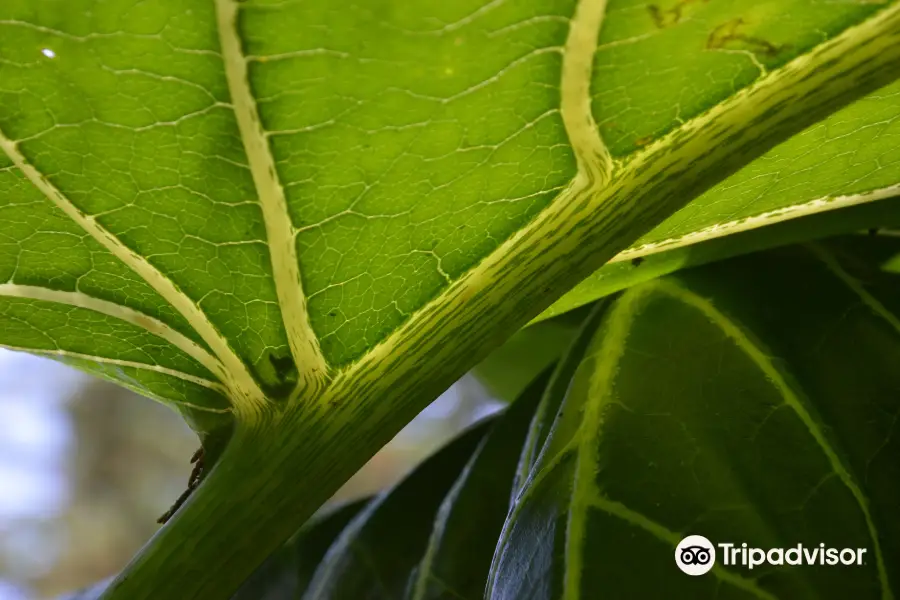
(48,53)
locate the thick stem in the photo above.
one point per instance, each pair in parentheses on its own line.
(271,478)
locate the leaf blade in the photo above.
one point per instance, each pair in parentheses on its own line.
(458,556)
(746,431)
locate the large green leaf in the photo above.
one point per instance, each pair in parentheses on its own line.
(375,556)
(752,401)
(171,168)
(456,562)
(286,574)
(620,274)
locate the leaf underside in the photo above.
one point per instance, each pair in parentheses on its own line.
(821,182)
(221,201)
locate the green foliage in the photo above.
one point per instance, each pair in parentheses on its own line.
(405,146)
(753,400)
(373,557)
(298,222)
(288,572)
(749,401)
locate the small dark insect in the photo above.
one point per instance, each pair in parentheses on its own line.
(873,231)
(193,482)
(636,261)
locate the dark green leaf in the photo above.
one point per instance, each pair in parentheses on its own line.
(757,401)
(458,557)
(374,557)
(287,573)
(621,274)
(508,370)
(553,396)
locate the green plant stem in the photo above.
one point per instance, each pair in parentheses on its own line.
(278,469)
(271,478)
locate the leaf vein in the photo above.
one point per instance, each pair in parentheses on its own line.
(792,399)
(244,390)
(117,311)
(302,340)
(620,511)
(778,215)
(213,385)
(855,285)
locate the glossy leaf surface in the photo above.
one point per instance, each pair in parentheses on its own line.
(458,557)
(286,574)
(374,557)
(751,401)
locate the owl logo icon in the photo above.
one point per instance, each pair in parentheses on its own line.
(695,555)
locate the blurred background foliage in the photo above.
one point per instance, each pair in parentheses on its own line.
(86,468)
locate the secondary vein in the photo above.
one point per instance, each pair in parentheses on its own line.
(595,164)
(117,311)
(856,286)
(243,389)
(634,518)
(792,400)
(302,340)
(213,385)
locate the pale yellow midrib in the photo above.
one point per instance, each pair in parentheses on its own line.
(118,311)
(246,395)
(771,217)
(792,400)
(302,340)
(213,385)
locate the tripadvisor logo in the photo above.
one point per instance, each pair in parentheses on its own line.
(696,555)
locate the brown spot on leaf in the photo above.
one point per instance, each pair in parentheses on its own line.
(729,36)
(668,17)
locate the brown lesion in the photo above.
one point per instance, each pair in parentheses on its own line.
(668,17)
(728,36)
